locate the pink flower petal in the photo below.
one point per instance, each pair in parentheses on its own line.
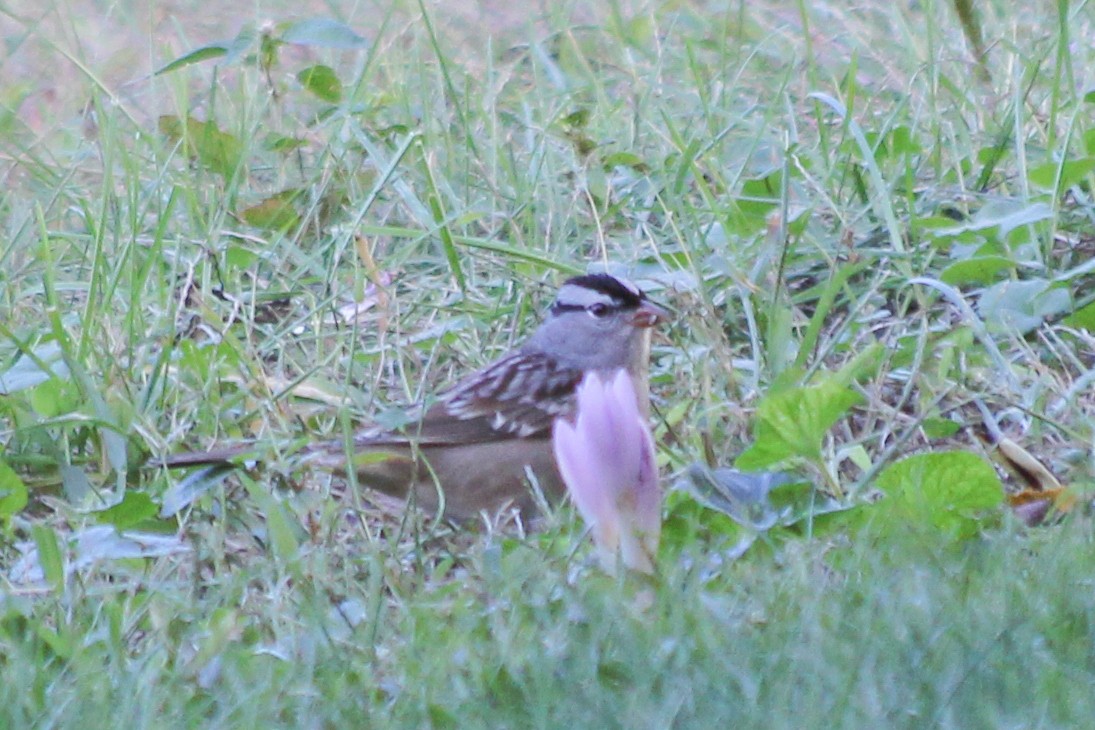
(606,457)
(579,471)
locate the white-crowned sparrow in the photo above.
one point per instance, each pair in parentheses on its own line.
(477,447)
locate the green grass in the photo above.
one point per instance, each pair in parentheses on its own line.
(828,197)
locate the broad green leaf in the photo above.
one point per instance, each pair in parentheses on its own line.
(240,255)
(758,197)
(902,141)
(45,362)
(939,428)
(323,82)
(1005,214)
(1083,318)
(218,151)
(1009,215)
(857,455)
(1022,305)
(576,119)
(1072,172)
(743,496)
(241,44)
(282,143)
(323,32)
(54,397)
(276,213)
(100,543)
(13,492)
(12,97)
(980,270)
(75,483)
(793,423)
(933,224)
(135,507)
(441,718)
(687,519)
(624,159)
(948,490)
(802,504)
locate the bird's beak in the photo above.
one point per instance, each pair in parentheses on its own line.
(649,314)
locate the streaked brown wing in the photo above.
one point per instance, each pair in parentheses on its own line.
(520,395)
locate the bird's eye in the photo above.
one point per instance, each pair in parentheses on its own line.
(599,309)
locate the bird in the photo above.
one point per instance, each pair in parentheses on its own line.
(480,445)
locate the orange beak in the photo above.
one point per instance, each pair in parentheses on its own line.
(649,314)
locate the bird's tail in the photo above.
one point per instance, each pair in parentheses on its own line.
(326,454)
(224,456)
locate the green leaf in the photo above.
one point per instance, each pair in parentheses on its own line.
(980,270)
(114,443)
(689,522)
(276,213)
(230,51)
(282,143)
(743,496)
(624,159)
(1005,214)
(1072,172)
(75,483)
(441,717)
(323,82)
(240,256)
(44,362)
(217,49)
(1082,318)
(97,543)
(13,492)
(279,529)
(61,642)
(218,151)
(758,197)
(241,44)
(1022,305)
(825,295)
(49,555)
(135,507)
(54,397)
(793,423)
(269,47)
(576,119)
(864,366)
(939,428)
(323,32)
(947,490)
(903,142)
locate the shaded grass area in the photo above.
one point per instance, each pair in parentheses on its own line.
(317,231)
(993,633)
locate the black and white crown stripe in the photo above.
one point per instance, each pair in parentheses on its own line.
(583,292)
